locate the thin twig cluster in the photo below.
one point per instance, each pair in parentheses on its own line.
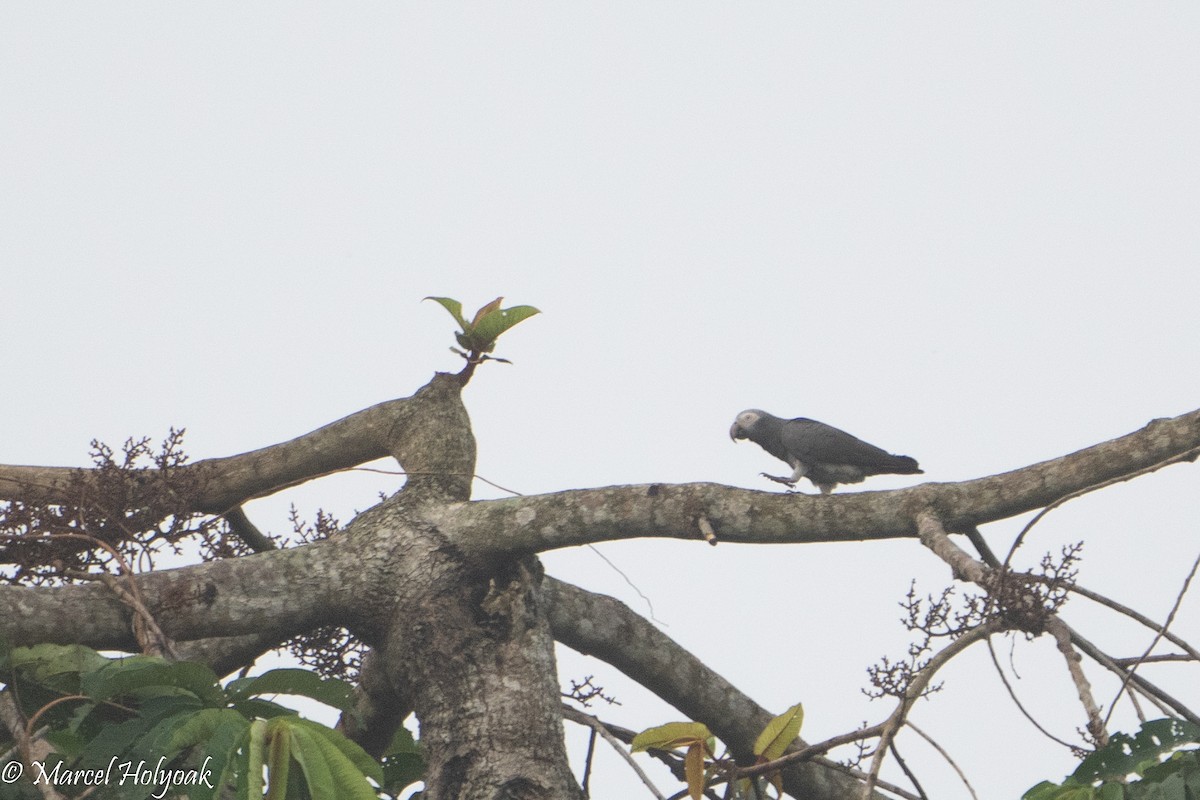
(138,501)
(585,692)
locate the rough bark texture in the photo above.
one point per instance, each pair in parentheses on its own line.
(469,642)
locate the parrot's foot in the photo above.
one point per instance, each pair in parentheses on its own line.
(788,482)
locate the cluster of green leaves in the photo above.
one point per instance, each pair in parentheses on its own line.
(1164,771)
(478,337)
(700,764)
(142,710)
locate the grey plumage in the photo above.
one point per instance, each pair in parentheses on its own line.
(822,453)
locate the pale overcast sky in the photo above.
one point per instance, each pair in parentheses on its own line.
(963,231)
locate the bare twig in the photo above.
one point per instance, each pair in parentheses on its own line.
(912,778)
(1165,702)
(809,752)
(32,746)
(981,546)
(1062,637)
(475,475)
(1161,658)
(1137,707)
(858,774)
(598,726)
(1157,637)
(813,753)
(1189,455)
(915,690)
(145,629)
(962,776)
(1096,597)
(587,764)
(1020,707)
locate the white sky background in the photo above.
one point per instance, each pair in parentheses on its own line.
(964,232)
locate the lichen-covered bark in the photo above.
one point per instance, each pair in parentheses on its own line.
(280,593)
(469,644)
(538,523)
(474,654)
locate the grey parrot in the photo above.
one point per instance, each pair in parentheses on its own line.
(822,453)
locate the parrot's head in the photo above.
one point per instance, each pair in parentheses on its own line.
(744,423)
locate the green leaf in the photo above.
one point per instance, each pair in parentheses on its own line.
(141,673)
(113,740)
(401,771)
(455,309)
(1125,754)
(351,751)
(330,691)
(402,762)
(256,707)
(139,734)
(279,759)
(488,328)
(220,751)
(55,665)
(158,740)
(402,742)
(480,334)
(348,771)
(79,716)
(670,736)
(485,310)
(779,733)
(311,758)
(1184,763)
(67,744)
(1042,791)
(193,729)
(255,753)
(171,703)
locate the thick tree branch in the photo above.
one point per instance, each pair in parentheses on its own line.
(380,708)
(389,428)
(228,654)
(231,480)
(283,592)
(536,523)
(247,531)
(607,629)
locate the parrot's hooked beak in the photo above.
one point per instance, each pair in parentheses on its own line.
(736,431)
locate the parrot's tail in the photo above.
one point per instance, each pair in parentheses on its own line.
(905,465)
